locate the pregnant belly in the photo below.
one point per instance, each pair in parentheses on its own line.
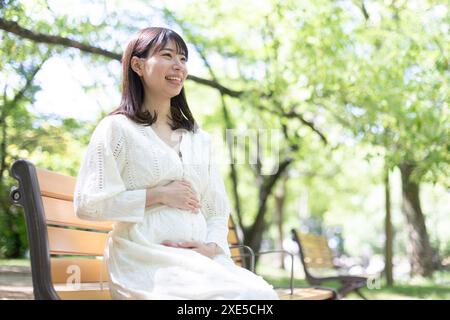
(173,224)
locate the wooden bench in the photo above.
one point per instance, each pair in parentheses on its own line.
(316,255)
(67,252)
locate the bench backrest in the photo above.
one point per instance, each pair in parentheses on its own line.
(314,251)
(66,252)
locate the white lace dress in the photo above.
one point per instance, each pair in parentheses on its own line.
(122,160)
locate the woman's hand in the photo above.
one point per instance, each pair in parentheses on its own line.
(209,250)
(181,195)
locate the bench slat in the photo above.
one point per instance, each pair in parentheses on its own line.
(235,251)
(232,237)
(61,212)
(76,242)
(56,185)
(88,270)
(304,294)
(316,252)
(85,295)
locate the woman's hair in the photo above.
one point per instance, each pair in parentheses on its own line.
(145,43)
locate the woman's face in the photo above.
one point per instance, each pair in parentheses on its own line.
(164,72)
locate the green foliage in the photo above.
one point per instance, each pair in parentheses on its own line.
(46,140)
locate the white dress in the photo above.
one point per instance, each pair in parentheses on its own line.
(122,160)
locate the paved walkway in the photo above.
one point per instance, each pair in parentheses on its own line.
(15,283)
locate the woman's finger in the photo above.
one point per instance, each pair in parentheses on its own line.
(194,203)
(186,183)
(190,187)
(188,244)
(193,195)
(169,243)
(194,209)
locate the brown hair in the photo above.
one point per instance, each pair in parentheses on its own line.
(146,42)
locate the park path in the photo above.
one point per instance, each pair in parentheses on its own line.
(15,283)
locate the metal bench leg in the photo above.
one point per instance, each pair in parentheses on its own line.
(359,293)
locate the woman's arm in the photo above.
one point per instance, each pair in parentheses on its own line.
(154,195)
(100,193)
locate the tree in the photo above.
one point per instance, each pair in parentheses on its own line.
(397,99)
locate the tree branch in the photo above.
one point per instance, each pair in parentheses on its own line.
(293,114)
(363,8)
(13,27)
(216,85)
(310,124)
(29,78)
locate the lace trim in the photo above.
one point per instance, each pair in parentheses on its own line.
(118,147)
(100,165)
(129,172)
(155,163)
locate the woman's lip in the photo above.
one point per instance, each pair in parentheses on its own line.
(175,82)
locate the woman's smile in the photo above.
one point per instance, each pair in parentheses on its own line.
(174,80)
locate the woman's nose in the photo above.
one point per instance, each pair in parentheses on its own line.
(179,64)
(180,68)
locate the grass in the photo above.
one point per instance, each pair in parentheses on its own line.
(15,262)
(436,288)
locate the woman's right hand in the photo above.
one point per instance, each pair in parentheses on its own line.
(181,195)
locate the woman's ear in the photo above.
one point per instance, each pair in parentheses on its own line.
(137,65)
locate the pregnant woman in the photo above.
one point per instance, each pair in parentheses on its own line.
(149,168)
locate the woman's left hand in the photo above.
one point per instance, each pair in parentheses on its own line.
(208,250)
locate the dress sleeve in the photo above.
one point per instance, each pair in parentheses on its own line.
(216,207)
(100,193)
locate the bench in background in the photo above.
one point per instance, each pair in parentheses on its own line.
(316,255)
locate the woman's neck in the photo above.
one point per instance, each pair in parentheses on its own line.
(161,107)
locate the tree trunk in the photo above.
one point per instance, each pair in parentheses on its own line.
(388,232)
(253,235)
(420,252)
(280,198)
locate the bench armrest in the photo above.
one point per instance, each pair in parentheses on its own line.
(251,254)
(292,264)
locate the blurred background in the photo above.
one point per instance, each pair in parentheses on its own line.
(358,91)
